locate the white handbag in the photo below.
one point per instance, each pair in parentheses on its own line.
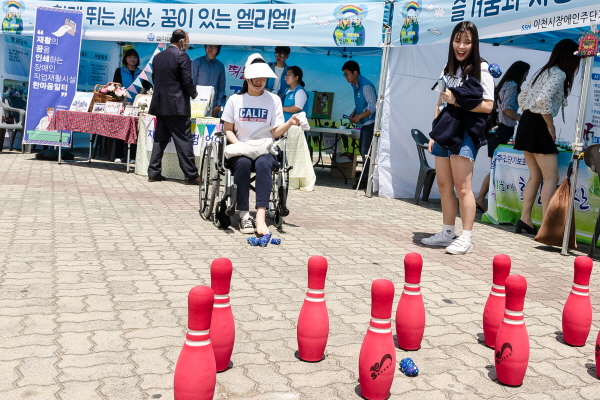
(253,148)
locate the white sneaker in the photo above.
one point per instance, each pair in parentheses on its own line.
(461,245)
(132,161)
(117,160)
(247,225)
(439,239)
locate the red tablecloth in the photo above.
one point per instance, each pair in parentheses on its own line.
(114,126)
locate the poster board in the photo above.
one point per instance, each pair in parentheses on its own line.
(54,68)
(322,105)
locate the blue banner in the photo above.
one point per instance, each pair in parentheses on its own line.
(422,21)
(54,68)
(344,25)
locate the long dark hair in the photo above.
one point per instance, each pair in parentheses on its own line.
(562,57)
(472,65)
(515,73)
(245,85)
(297,71)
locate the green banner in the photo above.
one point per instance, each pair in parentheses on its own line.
(507,180)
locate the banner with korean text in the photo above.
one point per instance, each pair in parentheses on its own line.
(423,22)
(53,73)
(320,24)
(508,176)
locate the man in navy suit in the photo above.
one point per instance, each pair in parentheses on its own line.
(173,88)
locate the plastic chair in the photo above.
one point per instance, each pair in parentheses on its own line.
(17,124)
(592,159)
(426,173)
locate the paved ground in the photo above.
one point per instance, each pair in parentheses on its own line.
(95,266)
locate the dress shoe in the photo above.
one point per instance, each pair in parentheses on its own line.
(156,178)
(532,230)
(193,181)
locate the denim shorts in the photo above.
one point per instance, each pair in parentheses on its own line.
(467,149)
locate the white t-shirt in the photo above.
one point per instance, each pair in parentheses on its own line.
(249,114)
(277,84)
(487,81)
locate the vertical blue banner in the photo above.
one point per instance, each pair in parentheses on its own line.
(54,70)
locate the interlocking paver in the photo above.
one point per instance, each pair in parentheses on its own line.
(95,266)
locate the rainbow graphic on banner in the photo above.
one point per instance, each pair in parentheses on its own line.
(409,33)
(413,6)
(353,9)
(13,21)
(350,30)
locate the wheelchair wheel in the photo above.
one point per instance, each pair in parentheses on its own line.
(208,183)
(277,219)
(220,218)
(282,205)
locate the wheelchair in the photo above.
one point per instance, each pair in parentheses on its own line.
(218,190)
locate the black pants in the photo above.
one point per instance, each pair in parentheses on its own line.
(366,137)
(177,128)
(263,166)
(121,150)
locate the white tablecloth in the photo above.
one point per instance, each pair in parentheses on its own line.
(202,128)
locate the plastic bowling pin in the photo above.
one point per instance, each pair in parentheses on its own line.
(598,355)
(222,325)
(195,371)
(577,313)
(512,340)
(313,321)
(377,359)
(493,311)
(410,315)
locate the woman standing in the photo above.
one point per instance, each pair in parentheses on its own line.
(455,168)
(540,101)
(126,75)
(252,110)
(295,98)
(506,94)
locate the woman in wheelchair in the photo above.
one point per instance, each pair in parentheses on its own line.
(254,113)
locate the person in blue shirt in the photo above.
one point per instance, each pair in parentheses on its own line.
(126,75)
(278,85)
(295,98)
(365,102)
(208,71)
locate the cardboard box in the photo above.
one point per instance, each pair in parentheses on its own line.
(349,168)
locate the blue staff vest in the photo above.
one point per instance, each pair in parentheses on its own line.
(290,100)
(359,98)
(128,80)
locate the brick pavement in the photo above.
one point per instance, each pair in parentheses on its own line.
(95,265)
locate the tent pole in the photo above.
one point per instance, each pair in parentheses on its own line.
(577,146)
(373,150)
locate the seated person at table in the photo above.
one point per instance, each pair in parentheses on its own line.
(245,114)
(126,75)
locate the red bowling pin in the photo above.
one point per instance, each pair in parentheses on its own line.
(313,321)
(195,371)
(410,315)
(377,359)
(577,313)
(598,355)
(493,311)
(512,340)
(222,326)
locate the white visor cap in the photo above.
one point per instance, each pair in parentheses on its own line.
(253,57)
(259,70)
